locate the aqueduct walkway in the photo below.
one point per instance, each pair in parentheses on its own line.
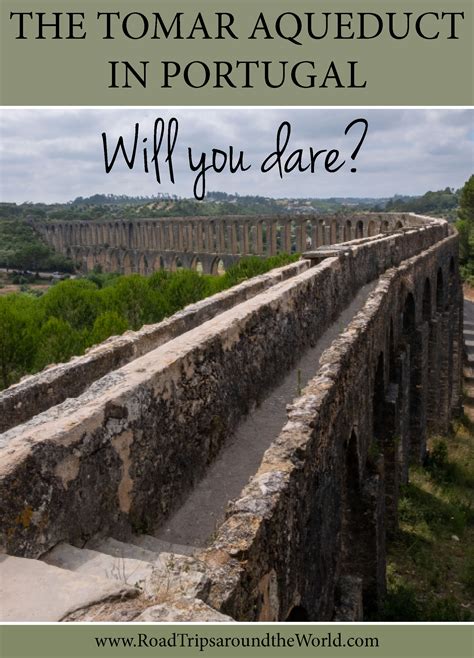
(110,446)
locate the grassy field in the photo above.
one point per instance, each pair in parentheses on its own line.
(431,558)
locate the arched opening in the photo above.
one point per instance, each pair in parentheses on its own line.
(158,263)
(264,239)
(392,367)
(385,226)
(90,261)
(309,234)
(224,246)
(177,264)
(426,310)
(252,239)
(212,237)
(127,264)
(142,265)
(359,229)
(398,225)
(236,238)
(372,230)
(417,401)
(378,401)
(196,265)
(298,613)
(439,291)
(348,231)
(218,267)
(409,318)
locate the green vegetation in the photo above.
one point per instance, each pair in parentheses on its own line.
(75,314)
(21,248)
(465,227)
(431,557)
(110,206)
(441,203)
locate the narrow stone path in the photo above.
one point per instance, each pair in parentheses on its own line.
(469,362)
(203,511)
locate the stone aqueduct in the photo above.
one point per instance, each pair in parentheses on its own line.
(147,245)
(111,443)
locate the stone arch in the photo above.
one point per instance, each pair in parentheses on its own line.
(177,264)
(409,315)
(264,238)
(351,510)
(348,230)
(378,402)
(114,260)
(90,261)
(439,291)
(127,263)
(426,303)
(235,237)
(385,227)
(212,236)
(333,231)
(159,263)
(196,265)
(223,227)
(252,238)
(391,353)
(359,229)
(372,229)
(142,264)
(321,233)
(399,225)
(309,234)
(417,394)
(362,525)
(217,267)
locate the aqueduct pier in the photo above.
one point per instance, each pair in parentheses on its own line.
(98,476)
(204,243)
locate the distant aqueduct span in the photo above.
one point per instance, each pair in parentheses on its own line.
(203,243)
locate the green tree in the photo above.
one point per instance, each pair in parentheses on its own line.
(107,324)
(465,227)
(466,201)
(18,326)
(132,298)
(32,257)
(57,342)
(76,302)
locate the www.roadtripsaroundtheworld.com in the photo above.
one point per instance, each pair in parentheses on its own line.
(201,642)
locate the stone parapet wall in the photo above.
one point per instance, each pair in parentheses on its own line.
(306,537)
(318,509)
(129,448)
(36,393)
(53,385)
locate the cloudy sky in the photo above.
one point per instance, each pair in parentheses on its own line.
(57,154)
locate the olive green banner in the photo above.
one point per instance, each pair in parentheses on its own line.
(251,641)
(319,52)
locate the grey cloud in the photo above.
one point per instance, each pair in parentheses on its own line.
(55,155)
